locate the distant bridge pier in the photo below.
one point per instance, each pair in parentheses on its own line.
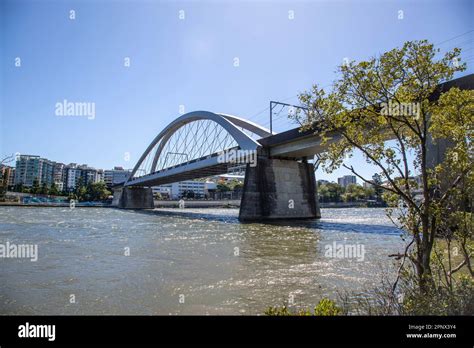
(132,197)
(279,189)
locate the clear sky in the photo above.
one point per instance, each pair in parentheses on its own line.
(186,62)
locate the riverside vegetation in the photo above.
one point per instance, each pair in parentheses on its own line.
(435,275)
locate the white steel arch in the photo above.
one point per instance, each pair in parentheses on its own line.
(229,122)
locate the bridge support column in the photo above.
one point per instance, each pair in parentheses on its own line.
(279,189)
(134,198)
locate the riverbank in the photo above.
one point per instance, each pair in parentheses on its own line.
(158,204)
(176,204)
(55,205)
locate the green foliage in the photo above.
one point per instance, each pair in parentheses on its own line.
(409,300)
(44,189)
(18,187)
(330,192)
(188,194)
(53,190)
(35,188)
(327,307)
(3,185)
(390,97)
(354,193)
(378,191)
(439,300)
(278,311)
(91,193)
(96,192)
(225,186)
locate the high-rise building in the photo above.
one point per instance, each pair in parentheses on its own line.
(100,175)
(59,175)
(27,170)
(75,174)
(30,168)
(72,176)
(115,176)
(66,177)
(346,180)
(88,174)
(11,176)
(46,172)
(9,173)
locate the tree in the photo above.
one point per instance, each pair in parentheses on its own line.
(330,192)
(354,193)
(80,191)
(96,192)
(3,184)
(323,193)
(238,186)
(335,192)
(53,190)
(35,188)
(188,194)
(4,176)
(44,189)
(19,187)
(223,186)
(394,97)
(377,187)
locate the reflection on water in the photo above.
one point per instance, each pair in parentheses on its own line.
(216,264)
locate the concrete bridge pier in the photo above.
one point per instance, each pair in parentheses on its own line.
(279,189)
(133,198)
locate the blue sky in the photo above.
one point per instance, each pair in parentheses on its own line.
(186,62)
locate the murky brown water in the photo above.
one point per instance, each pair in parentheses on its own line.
(196,261)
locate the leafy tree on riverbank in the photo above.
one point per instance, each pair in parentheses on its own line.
(35,188)
(333,193)
(391,97)
(4,176)
(233,185)
(354,193)
(330,192)
(44,190)
(97,191)
(93,192)
(377,187)
(53,190)
(3,185)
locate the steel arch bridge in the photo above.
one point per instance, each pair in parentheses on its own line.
(281,186)
(192,147)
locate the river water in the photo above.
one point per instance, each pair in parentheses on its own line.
(191,261)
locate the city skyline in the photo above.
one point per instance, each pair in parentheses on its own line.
(13,165)
(163,59)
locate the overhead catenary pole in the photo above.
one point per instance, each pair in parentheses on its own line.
(272,103)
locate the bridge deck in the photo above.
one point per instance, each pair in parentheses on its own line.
(294,143)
